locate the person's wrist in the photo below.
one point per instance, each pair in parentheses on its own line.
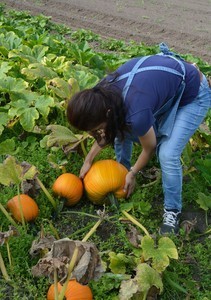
(133,172)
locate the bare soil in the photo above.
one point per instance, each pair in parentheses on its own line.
(184,25)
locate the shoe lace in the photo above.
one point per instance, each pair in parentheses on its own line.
(170,218)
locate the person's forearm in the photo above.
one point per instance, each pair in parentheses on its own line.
(93,152)
(142,160)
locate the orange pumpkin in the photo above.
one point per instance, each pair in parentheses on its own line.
(74,291)
(29,207)
(105,176)
(70,187)
(51,291)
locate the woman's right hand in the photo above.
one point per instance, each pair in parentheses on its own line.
(89,159)
(85,168)
(130,182)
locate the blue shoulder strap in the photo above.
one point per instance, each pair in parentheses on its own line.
(136,69)
(165,51)
(131,75)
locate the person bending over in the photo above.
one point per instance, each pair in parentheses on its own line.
(157,100)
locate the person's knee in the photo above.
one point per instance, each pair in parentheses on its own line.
(166,154)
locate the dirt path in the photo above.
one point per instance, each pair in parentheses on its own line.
(183,25)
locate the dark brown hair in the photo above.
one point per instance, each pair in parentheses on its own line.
(91,107)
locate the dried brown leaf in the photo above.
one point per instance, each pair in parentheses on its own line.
(133,236)
(4,236)
(88,263)
(42,244)
(188,225)
(29,185)
(46,265)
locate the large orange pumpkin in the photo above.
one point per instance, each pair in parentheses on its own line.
(29,207)
(105,176)
(74,291)
(70,187)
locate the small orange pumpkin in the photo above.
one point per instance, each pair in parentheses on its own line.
(29,207)
(105,176)
(74,291)
(51,292)
(70,187)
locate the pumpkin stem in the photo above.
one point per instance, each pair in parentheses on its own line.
(113,200)
(74,257)
(134,221)
(9,218)
(3,269)
(48,195)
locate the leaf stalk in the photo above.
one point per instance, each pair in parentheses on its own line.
(3,269)
(48,195)
(9,218)
(134,221)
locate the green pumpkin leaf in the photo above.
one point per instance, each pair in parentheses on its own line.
(28,117)
(127,289)
(204,165)
(127,206)
(30,99)
(39,51)
(22,108)
(86,79)
(43,104)
(10,85)
(3,50)
(60,136)
(117,262)
(4,68)
(139,286)
(143,206)
(10,40)
(29,107)
(204,201)
(55,62)
(28,55)
(37,70)
(60,87)
(147,277)
(160,256)
(17,108)
(4,118)
(8,147)
(73,86)
(10,172)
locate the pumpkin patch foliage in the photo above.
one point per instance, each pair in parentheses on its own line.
(112,246)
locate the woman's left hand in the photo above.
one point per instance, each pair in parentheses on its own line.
(130,182)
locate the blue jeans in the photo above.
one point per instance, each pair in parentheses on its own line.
(188,119)
(123,148)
